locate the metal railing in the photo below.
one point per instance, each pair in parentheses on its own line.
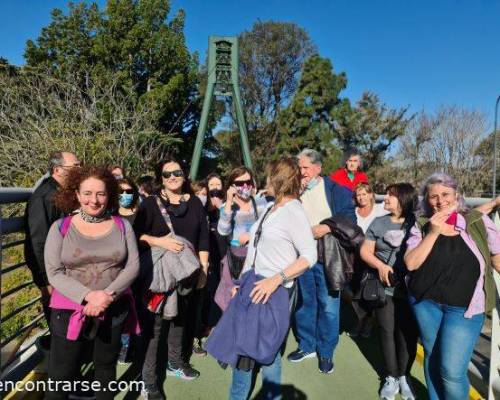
(15,224)
(20,343)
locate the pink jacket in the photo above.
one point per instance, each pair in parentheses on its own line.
(77,319)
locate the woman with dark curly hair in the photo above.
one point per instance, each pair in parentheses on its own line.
(91,260)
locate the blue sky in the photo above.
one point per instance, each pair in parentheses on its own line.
(423,53)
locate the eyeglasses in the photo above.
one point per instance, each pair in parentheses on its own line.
(177,173)
(128,191)
(248,182)
(77,165)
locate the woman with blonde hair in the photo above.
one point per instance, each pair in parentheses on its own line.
(281,247)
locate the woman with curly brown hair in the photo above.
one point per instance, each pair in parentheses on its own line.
(91,260)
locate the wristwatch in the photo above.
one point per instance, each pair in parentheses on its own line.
(284,278)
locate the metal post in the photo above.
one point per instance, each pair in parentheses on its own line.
(494,191)
(195,161)
(245,147)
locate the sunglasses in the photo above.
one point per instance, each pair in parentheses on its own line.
(249,182)
(128,191)
(177,173)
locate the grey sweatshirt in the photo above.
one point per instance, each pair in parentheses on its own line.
(78,264)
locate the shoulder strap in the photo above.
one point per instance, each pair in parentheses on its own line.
(254,205)
(258,234)
(164,214)
(64,225)
(119,221)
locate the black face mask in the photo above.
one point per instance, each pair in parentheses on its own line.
(216,193)
(178,210)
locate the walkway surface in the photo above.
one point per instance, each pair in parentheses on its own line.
(354,378)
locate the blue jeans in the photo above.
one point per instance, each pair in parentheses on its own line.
(448,339)
(271,382)
(317,314)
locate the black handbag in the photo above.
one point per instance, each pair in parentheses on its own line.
(372,292)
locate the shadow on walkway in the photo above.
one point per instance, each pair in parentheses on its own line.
(370,348)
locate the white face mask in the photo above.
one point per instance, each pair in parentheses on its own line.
(203,199)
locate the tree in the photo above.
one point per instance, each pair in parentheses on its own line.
(40,113)
(371,127)
(271,57)
(132,43)
(449,141)
(309,120)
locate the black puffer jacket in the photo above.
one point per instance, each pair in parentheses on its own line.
(337,249)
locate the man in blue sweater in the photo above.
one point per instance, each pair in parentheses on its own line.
(317,314)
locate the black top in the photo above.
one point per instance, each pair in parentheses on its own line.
(192,225)
(130,218)
(448,275)
(40,214)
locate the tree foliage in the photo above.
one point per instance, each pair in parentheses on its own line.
(134,44)
(40,113)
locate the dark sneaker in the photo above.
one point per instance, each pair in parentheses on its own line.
(198,349)
(151,392)
(299,355)
(185,372)
(325,365)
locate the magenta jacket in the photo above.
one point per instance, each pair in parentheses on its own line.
(77,319)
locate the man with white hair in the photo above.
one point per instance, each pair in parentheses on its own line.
(350,175)
(317,313)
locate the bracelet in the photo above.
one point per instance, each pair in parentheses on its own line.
(284,278)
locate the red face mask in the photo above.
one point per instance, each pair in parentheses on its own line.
(452,219)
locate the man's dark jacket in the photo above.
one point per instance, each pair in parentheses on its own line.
(336,251)
(40,215)
(339,199)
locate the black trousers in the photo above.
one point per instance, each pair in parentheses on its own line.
(398,334)
(172,339)
(67,356)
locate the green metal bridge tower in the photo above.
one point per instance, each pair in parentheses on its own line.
(222,82)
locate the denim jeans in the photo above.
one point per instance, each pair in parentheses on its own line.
(271,382)
(317,314)
(448,339)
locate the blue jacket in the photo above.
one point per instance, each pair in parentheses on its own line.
(251,330)
(339,199)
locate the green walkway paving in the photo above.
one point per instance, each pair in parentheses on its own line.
(355,376)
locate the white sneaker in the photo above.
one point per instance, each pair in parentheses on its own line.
(390,389)
(405,388)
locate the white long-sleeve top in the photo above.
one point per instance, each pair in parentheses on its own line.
(286,236)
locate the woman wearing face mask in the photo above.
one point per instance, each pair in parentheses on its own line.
(200,191)
(210,311)
(383,250)
(452,252)
(237,215)
(189,220)
(128,198)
